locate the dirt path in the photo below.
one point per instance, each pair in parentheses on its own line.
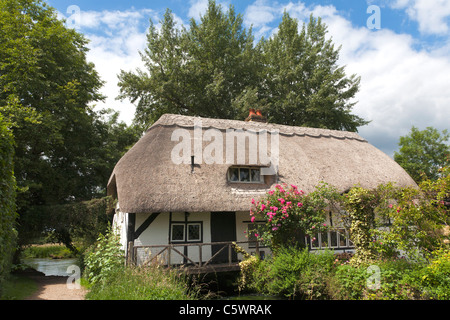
(54,288)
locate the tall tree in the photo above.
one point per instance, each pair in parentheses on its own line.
(47,91)
(201,71)
(423,153)
(304,85)
(215,69)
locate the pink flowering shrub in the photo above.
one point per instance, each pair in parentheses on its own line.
(288,214)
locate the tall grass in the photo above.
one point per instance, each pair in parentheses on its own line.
(47,251)
(142,283)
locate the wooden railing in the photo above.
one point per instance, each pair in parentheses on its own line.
(173,248)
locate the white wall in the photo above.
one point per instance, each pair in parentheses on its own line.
(158,234)
(120,226)
(242,222)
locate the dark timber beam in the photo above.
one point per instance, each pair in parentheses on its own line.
(145,224)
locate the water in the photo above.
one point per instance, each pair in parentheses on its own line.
(51,267)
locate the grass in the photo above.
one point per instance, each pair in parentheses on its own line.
(47,251)
(18,288)
(142,283)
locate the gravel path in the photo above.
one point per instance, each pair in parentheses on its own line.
(55,288)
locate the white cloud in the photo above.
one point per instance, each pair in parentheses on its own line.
(198,7)
(433,16)
(116,37)
(400,86)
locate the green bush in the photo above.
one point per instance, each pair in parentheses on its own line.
(104,258)
(348,282)
(294,273)
(398,280)
(47,251)
(435,277)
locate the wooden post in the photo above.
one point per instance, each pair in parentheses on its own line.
(257,249)
(200,255)
(130,259)
(168,255)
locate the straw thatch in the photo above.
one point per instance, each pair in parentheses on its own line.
(146,179)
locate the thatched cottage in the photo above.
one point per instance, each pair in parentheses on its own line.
(189,181)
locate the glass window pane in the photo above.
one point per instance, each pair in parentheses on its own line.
(244,174)
(193,232)
(342,238)
(234,174)
(177,232)
(333,239)
(255,175)
(324,239)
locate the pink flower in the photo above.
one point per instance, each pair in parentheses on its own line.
(390,206)
(253,219)
(324,224)
(293,186)
(299,204)
(263,206)
(282,201)
(271,192)
(313,227)
(288,203)
(253,201)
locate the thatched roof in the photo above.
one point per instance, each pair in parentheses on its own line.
(147,180)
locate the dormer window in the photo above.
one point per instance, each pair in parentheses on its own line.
(244,174)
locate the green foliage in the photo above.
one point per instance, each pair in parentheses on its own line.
(8,233)
(18,288)
(64,151)
(293,272)
(214,69)
(423,153)
(104,259)
(142,283)
(290,214)
(435,277)
(302,83)
(47,251)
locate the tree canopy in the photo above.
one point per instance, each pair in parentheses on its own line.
(423,153)
(215,69)
(64,149)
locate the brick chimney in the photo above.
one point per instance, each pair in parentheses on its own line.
(255,116)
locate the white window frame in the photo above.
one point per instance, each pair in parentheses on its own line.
(348,243)
(186,234)
(239,174)
(199,231)
(171,231)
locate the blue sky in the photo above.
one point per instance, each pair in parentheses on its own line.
(404,65)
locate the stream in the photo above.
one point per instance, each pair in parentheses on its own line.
(52,267)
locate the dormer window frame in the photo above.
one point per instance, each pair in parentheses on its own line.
(241,175)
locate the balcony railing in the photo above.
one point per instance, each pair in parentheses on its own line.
(170,254)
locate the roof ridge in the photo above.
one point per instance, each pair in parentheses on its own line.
(222,124)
